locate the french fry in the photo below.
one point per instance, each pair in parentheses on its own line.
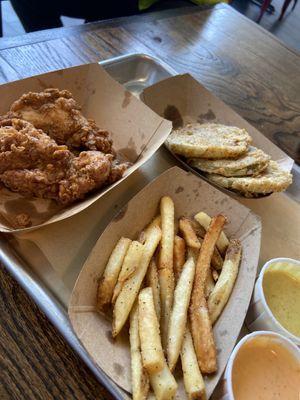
(163,383)
(165,264)
(193,253)
(188,233)
(199,230)
(129,266)
(111,273)
(153,282)
(179,255)
(151,396)
(143,235)
(139,377)
(223,288)
(216,259)
(178,316)
(192,378)
(210,284)
(152,352)
(201,327)
(155,222)
(204,220)
(132,286)
(215,275)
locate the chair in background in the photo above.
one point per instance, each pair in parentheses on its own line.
(267,3)
(285,6)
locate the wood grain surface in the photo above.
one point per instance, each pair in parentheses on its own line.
(237,60)
(35,361)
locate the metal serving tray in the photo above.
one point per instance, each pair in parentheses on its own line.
(25,256)
(46,287)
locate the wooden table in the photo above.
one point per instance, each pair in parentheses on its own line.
(237,60)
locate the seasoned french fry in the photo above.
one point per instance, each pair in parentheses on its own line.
(151,396)
(111,272)
(152,352)
(201,327)
(204,220)
(192,378)
(129,266)
(193,253)
(165,264)
(163,383)
(216,259)
(199,230)
(153,282)
(215,275)
(178,316)
(155,222)
(179,255)
(223,288)
(139,377)
(188,233)
(210,284)
(142,237)
(132,286)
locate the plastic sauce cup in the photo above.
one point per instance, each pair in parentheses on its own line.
(228,384)
(260,316)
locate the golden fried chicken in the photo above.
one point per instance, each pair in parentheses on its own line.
(57,114)
(90,170)
(32,164)
(23,146)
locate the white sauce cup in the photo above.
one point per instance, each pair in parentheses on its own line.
(259,316)
(227,384)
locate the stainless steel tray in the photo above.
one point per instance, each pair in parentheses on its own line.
(25,256)
(46,287)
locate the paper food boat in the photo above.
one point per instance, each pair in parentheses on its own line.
(182,100)
(137,132)
(190,195)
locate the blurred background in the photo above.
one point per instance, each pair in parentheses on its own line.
(18,17)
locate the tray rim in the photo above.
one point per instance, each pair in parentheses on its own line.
(55,311)
(132,56)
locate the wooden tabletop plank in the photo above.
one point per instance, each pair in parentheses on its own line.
(36,362)
(47,56)
(7,72)
(56,33)
(256,89)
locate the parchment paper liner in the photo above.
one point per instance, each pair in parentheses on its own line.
(137,132)
(182,99)
(190,195)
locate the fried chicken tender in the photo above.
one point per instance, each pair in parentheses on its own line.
(90,170)
(23,146)
(57,114)
(32,164)
(86,172)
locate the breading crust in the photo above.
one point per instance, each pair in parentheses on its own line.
(249,164)
(273,179)
(209,141)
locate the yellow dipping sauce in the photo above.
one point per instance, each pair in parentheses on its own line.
(265,370)
(281,286)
